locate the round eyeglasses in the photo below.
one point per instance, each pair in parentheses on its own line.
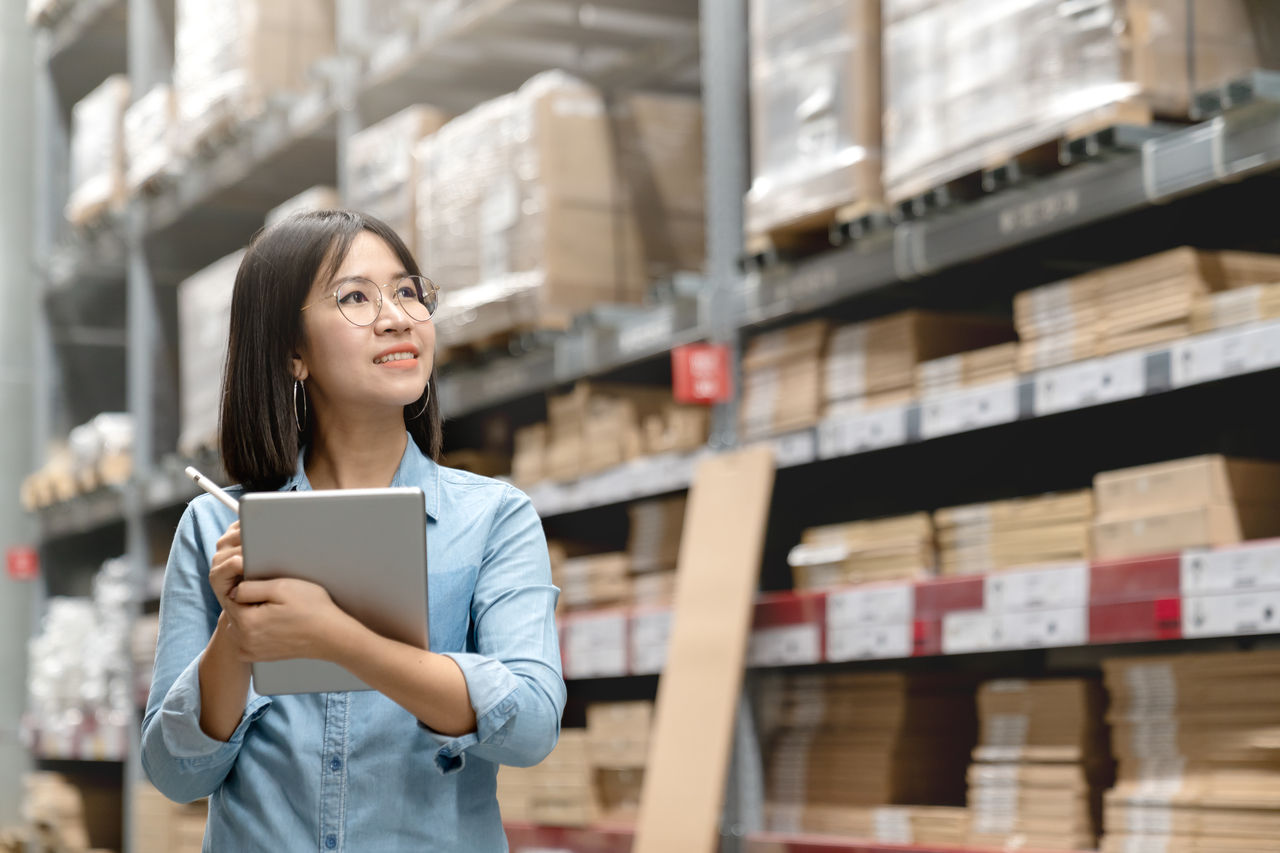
(360,300)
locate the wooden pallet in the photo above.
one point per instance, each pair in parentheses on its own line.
(817,232)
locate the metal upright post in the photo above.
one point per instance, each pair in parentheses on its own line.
(723,30)
(150,60)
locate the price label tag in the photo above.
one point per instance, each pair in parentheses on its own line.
(1209,357)
(785,645)
(795,448)
(596,645)
(965,631)
(1264,346)
(1090,383)
(652,333)
(971,408)
(871,605)
(1036,589)
(1231,614)
(1035,629)
(22,563)
(1250,567)
(650,635)
(861,432)
(865,642)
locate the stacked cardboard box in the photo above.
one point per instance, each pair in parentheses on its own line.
(967,369)
(162,826)
(1041,765)
(595,580)
(782,380)
(1021,532)
(653,546)
(318,197)
(529,456)
(204,326)
(597,426)
(558,792)
(894,824)
(54,812)
(525,214)
(676,428)
(1236,307)
(899,548)
(1141,303)
(97,151)
(618,736)
(875,362)
(1187,503)
(150,137)
(1195,738)
(838,743)
(232,57)
(381,177)
(815,94)
(1021,75)
(97,453)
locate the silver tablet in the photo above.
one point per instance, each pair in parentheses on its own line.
(367,547)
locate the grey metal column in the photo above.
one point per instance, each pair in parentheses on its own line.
(19,306)
(725,140)
(150,61)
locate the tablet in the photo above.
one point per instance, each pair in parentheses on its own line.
(367,547)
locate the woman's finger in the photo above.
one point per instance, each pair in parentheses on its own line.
(256,592)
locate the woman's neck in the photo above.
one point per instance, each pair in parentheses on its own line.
(355,453)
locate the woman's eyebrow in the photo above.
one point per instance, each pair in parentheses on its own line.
(346,278)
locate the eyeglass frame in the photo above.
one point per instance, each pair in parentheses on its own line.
(434,288)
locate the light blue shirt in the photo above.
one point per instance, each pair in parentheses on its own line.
(355,771)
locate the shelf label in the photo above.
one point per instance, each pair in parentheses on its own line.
(1035,629)
(965,631)
(596,645)
(785,645)
(795,448)
(651,333)
(1248,568)
(1215,356)
(871,605)
(1231,614)
(865,642)
(971,408)
(862,431)
(1036,589)
(650,635)
(1090,383)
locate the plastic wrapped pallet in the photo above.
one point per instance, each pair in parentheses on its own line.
(815,97)
(1041,764)
(988,537)
(233,57)
(782,380)
(1194,737)
(381,177)
(838,743)
(204,326)
(318,197)
(150,137)
(1187,503)
(97,151)
(520,215)
(899,548)
(972,83)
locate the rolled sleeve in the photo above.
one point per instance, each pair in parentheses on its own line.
(513,676)
(180,724)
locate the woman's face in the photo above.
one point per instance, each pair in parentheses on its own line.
(346,365)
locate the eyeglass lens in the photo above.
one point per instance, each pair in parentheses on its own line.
(360,300)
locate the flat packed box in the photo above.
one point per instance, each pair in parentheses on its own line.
(97,151)
(204,327)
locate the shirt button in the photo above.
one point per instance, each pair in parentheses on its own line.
(331,842)
(335,765)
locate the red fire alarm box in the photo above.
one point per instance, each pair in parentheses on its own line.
(22,563)
(701,374)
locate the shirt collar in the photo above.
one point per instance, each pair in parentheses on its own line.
(415,470)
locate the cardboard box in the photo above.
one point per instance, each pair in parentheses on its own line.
(618,734)
(1186,483)
(150,137)
(382,178)
(895,548)
(317,198)
(97,152)
(653,541)
(967,369)
(163,826)
(204,327)
(593,581)
(529,463)
(979,538)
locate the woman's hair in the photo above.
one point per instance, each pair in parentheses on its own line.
(259,434)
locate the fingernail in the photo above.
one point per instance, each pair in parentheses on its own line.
(232,595)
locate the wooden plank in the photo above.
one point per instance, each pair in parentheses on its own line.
(719,563)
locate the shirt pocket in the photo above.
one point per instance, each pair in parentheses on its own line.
(449,595)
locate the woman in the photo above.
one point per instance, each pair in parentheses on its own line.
(328,386)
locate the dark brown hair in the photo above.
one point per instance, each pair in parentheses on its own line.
(259,434)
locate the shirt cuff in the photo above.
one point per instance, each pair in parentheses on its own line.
(494,691)
(180,722)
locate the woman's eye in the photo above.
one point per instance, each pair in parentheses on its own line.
(353,298)
(407,293)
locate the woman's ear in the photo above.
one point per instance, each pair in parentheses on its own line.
(300,371)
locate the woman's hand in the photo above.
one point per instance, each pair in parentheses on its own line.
(227,569)
(286,619)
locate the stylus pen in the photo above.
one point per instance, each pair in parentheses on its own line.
(212,488)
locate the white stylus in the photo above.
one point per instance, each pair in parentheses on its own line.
(212,488)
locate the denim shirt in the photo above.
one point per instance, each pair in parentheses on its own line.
(355,771)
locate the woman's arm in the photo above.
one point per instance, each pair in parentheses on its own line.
(286,619)
(224,679)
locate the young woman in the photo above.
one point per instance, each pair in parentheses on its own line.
(328,386)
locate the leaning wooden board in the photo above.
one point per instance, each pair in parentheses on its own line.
(719,565)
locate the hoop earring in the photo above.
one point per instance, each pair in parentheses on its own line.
(425,403)
(299,423)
